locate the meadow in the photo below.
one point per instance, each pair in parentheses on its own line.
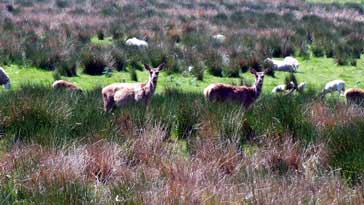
(59,147)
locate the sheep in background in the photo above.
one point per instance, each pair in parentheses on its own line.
(283,88)
(292,61)
(4,79)
(301,87)
(355,96)
(288,65)
(62,84)
(332,86)
(136,42)
(219,38)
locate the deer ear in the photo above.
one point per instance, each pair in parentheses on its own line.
(147,67)
(253,71)
(161,66)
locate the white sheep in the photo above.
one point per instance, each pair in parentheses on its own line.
(289,64)
(219,38)
(283,88)
(4,79)
(292,61)
(136,42)
(332,86)
(301,87)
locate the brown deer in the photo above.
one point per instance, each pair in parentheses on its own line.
(62,84)
(243,94)
(121,94)
(355,96)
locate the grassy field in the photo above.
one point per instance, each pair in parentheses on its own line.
(315,72)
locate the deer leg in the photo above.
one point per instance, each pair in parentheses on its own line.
(108,102)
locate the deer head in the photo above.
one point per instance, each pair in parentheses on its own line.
(153,72)
(259,76)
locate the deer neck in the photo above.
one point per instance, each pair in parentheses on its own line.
(150,86)
(258,86)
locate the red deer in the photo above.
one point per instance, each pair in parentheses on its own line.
(121,94)
(355,96)
(62,84)
(243,94)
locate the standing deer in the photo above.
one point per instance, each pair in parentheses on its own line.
(243,94)
(121,94)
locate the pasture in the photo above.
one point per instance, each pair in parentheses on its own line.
(315,72)
(61,147)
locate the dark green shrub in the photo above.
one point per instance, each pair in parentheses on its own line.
(133,74)
(186,121)
(317,51)
(214,63)
(347,150)
(67,69)
(198,70)
(343,54)
(100,35)
(119,58)
(62,4)
(93,61)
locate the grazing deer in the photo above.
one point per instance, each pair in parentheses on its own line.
(355,96)
(121,94)
(243,94)
(62,84)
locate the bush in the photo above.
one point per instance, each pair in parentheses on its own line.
(94,61)
(186,121)
(198,70)
(317,51)
(214,63)
(343,54)
(100,35)
(67,69)
(62,4)
(119,59)
(133,74)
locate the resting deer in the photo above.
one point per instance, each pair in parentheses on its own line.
(121,94)
(243,94)
(62,84)
(355,96)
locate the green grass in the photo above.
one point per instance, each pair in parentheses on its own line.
(107,41)
(315,72)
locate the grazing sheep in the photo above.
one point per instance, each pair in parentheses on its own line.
(136,42)
(121,94)
(243,94)
(4,79)
(283,88)
(62,84)
(292,61)
(355,96)
(289,64)
(219,38)
(301,87)
(332,86)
